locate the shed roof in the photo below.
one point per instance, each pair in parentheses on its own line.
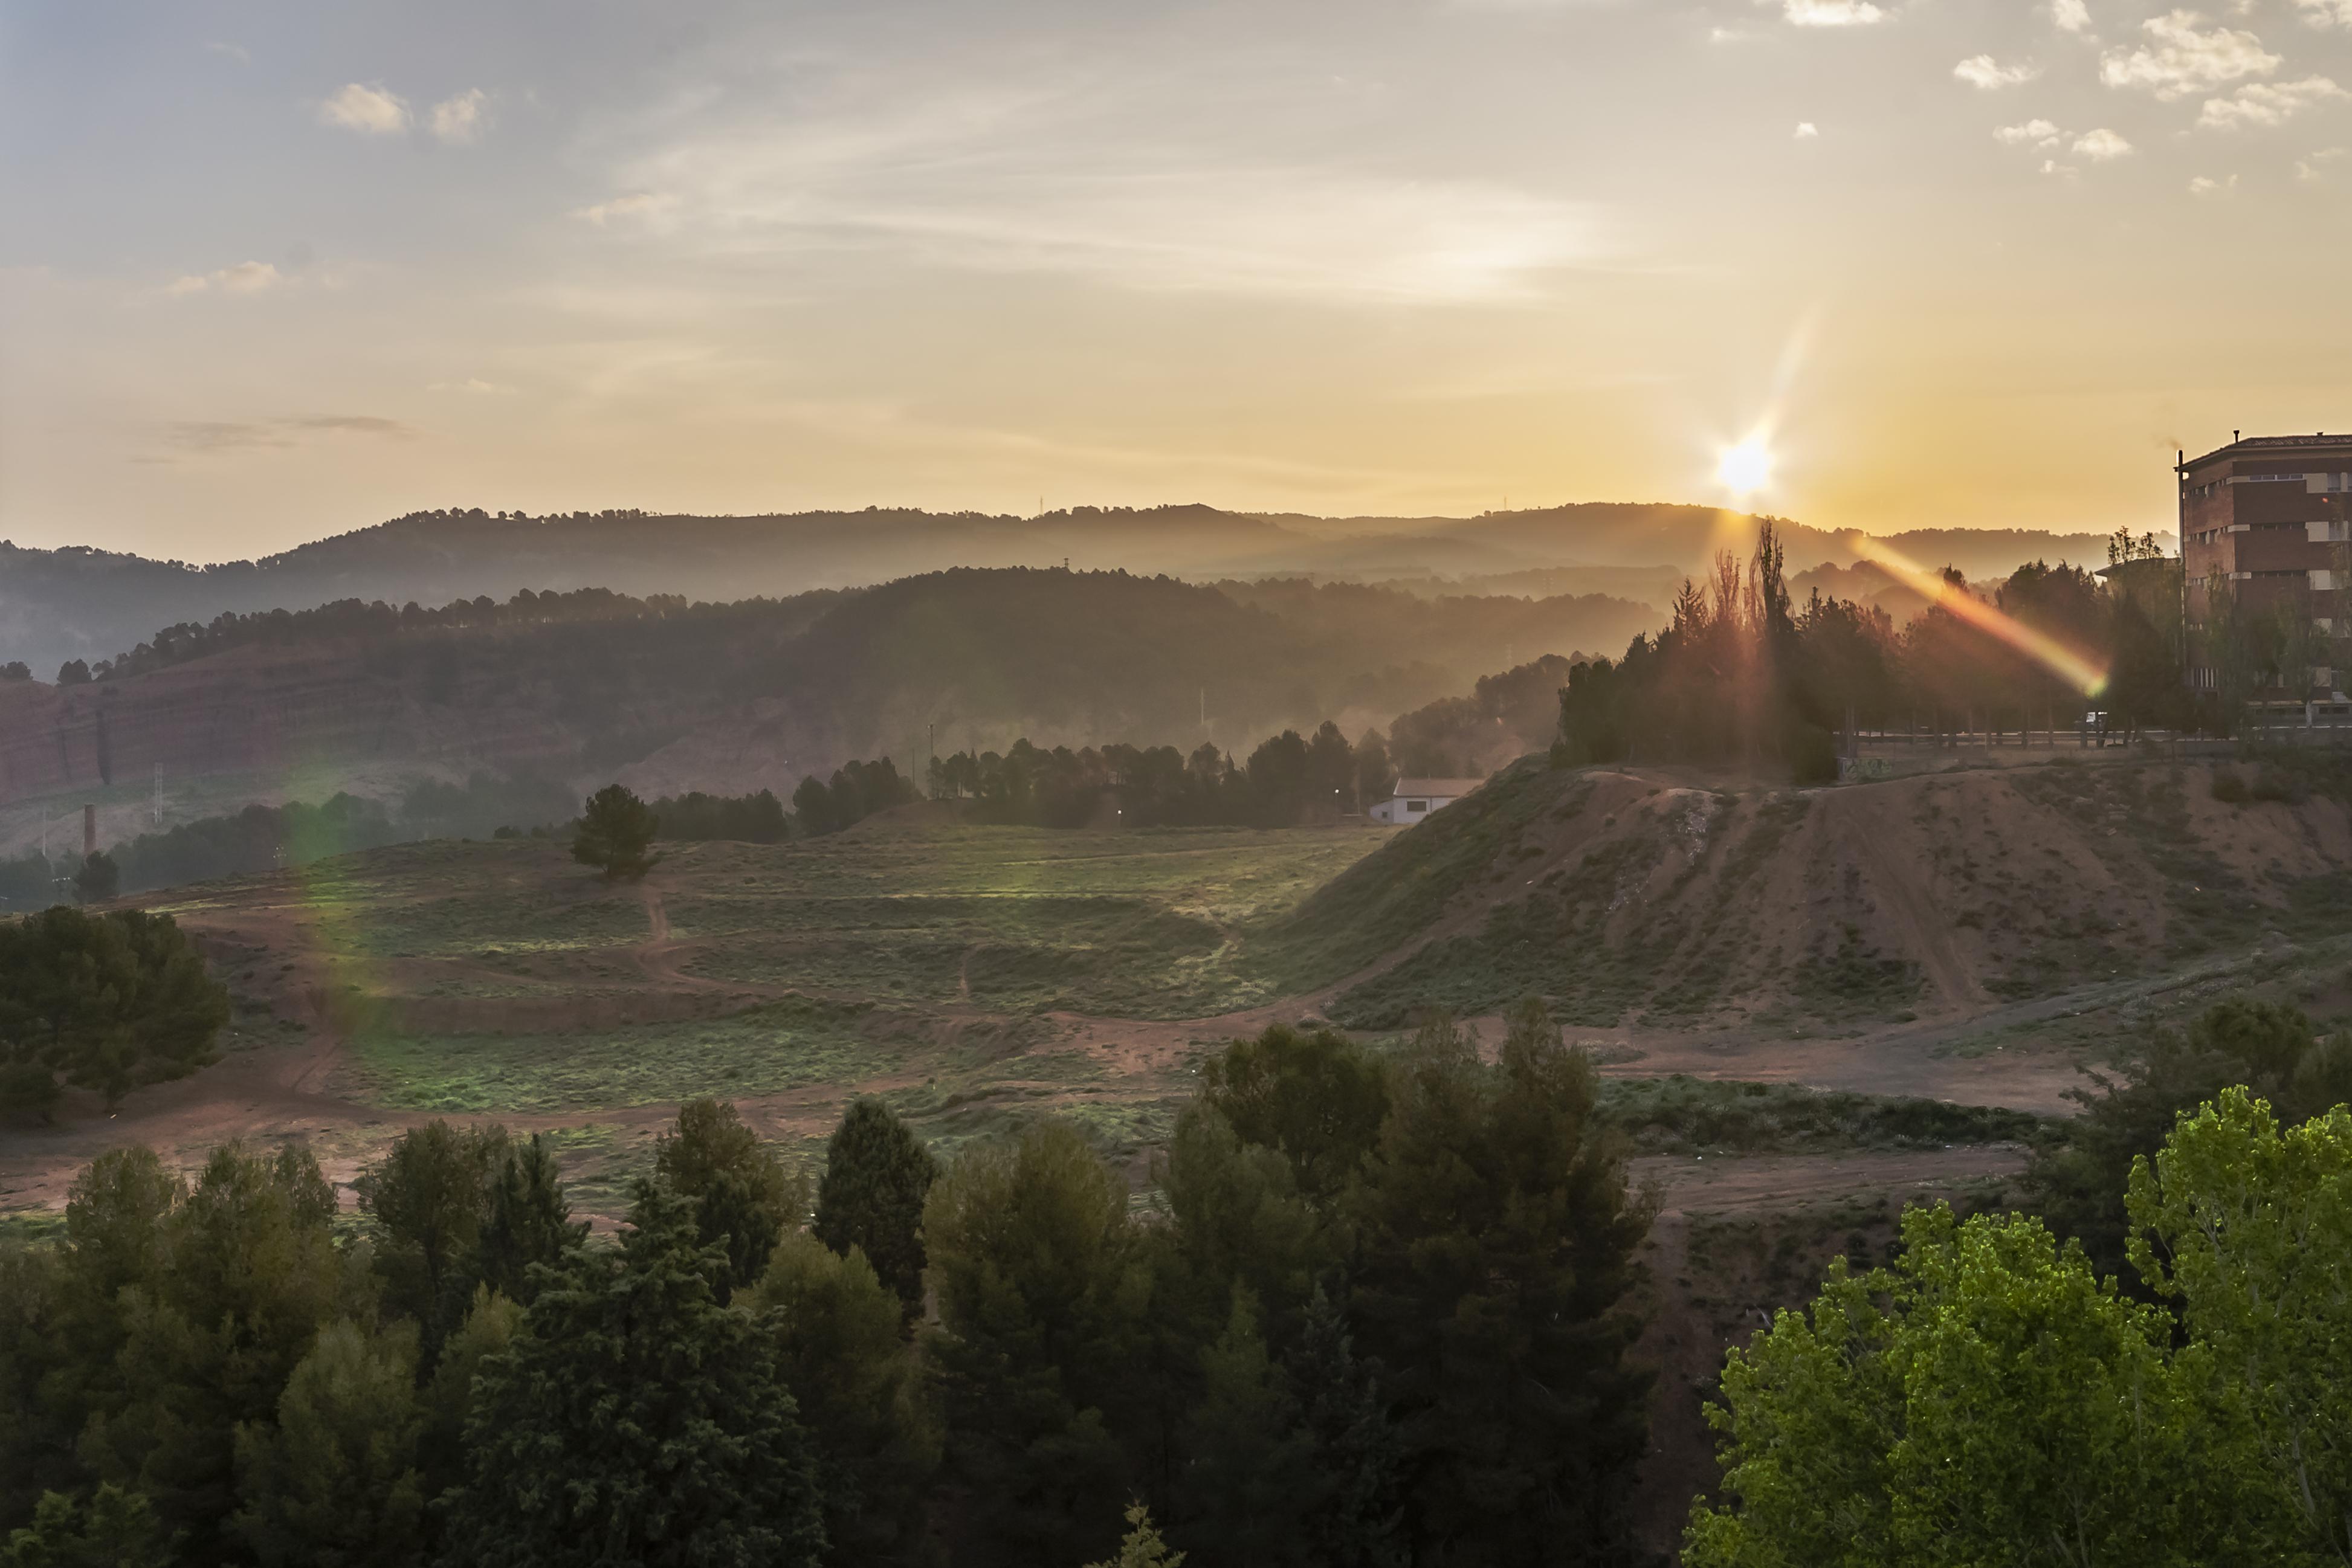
(1453,788)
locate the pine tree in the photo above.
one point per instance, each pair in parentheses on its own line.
(870,1198)
(431,1192)
(616,831)
(333,1481)
(529,1222)
(1251,1463)
(1142,1546)
(861,1394)
(636,1420)
(1498,1242)
(109,1528)
(744,1197)
(1349,1515)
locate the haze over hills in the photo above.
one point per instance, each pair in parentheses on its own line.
(752,694)
(74,603)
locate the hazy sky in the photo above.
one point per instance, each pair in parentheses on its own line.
(275,271)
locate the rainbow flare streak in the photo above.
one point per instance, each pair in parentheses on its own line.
(2060,660)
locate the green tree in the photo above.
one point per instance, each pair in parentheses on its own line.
(1142,1546)
(1041,1292)
(431,1193)
(446,1401)
(1251,1463)
(870,1197)
(1350,1512)
(98,878)
(108,1001)
(744,1197)
(1987,1400)
(112,1528)
(2274,1049)
(861,1394)
(528,1222)
(2248,1229)
(1315,1095)
(637,1420)
(1497,1242)
(333,1482)
(616,831)
(243,1273)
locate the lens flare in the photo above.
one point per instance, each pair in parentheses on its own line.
(2053,655)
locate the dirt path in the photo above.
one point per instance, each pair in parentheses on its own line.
(1749,1184)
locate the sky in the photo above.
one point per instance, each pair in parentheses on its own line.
(276,271)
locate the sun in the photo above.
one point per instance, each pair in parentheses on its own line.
(1746,468)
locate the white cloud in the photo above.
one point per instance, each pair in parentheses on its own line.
(1989,75)
(244,277)
(463,118)
(2070,15)
(644,206)
(369,111)
(2034,133)
(1831,13)
(2326,13)
(2100,145)
(2266,103)
(1807,131)
(2207,188)
(2051,166)
(2178,59)
(2315,166)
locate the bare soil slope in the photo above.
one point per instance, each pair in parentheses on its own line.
(1640,897)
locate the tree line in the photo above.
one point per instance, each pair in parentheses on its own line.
(1375,1312)
(1742,673)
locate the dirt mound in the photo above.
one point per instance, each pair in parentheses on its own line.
(1632,896)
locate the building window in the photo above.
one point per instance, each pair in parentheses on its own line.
(1416,805)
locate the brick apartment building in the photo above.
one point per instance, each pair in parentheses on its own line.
(2272,516)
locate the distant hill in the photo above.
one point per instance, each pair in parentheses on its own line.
(735,698)
(70,603)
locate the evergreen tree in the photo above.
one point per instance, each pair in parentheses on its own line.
(1496,1243)
(1142,1546)
(637,1420)
(98,878)
(870,1197)
(1252,1464)
(431,1193)
(1041,1294)
(529,1222)
(616,831)
(1316,1096)
(112,1528)
(446,1402)
(1350,1513)
(861,1394)
(744,1198)
(333,1482)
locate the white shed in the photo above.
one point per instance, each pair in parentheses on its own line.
(1417,798)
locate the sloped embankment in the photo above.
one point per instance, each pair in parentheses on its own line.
(1624,896)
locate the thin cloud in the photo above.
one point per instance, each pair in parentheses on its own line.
(2314,167)
(2266,103)
(244,277)
(2205,188)
(369,111)
(2179,59)
(1807,131)
(2032,133)
(473,386)
(2326,13)
(237,52)
(1989,75)
(2070,15)
(210,435)
(1831,13)
(640,205)
(2101,146)
(463,119)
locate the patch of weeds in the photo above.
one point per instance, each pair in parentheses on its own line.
(1681,1114)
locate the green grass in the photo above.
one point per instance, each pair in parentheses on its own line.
(790,1044)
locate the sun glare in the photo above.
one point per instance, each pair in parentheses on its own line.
(1744,469)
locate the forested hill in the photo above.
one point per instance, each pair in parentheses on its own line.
(77,604)
(740,696)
